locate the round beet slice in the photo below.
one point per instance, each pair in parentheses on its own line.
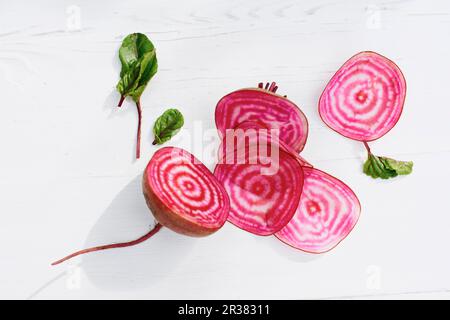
(263,105)
(327,212)
(264,187)
(364,99)
(265,134)
(183,194)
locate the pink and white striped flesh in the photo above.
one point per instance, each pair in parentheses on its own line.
(260,203)
(263,105)
(183,194)
(364,99)
(265,134)
(327,212)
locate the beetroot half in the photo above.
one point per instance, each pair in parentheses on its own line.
(263,105)
(327,212)
(263,181)
(364,99)
(183,195)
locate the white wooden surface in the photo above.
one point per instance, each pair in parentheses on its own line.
(68,178)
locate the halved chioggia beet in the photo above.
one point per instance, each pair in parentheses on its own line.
(264,182)
(363,101)
(327,212)
(183,196)
(264,105)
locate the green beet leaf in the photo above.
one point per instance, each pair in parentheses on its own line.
(167,125)
(129,80)
(401,167)
(385,168)
(139,64)
(148,68)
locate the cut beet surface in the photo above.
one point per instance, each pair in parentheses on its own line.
(327,212)
(263,182)
(267,136)
(183,195)
(364,99)
(263,105)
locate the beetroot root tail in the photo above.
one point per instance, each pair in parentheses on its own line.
(157,227)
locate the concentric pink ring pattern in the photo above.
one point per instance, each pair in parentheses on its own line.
(364,99)
(261,204)
(188,187)
(327,212)
(274,111)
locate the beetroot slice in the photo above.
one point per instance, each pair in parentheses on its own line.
(262,200)
(327,212)
(183,194)
(263,105)
(266,134)
(364,99)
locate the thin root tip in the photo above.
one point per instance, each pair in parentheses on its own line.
(56,263)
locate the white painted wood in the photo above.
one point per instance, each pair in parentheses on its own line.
(68,178)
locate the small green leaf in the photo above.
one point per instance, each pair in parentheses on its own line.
(385,168)
(167,125)
(401,167)
(139,64)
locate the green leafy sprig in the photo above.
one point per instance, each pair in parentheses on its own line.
(383,167)
(139,64)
